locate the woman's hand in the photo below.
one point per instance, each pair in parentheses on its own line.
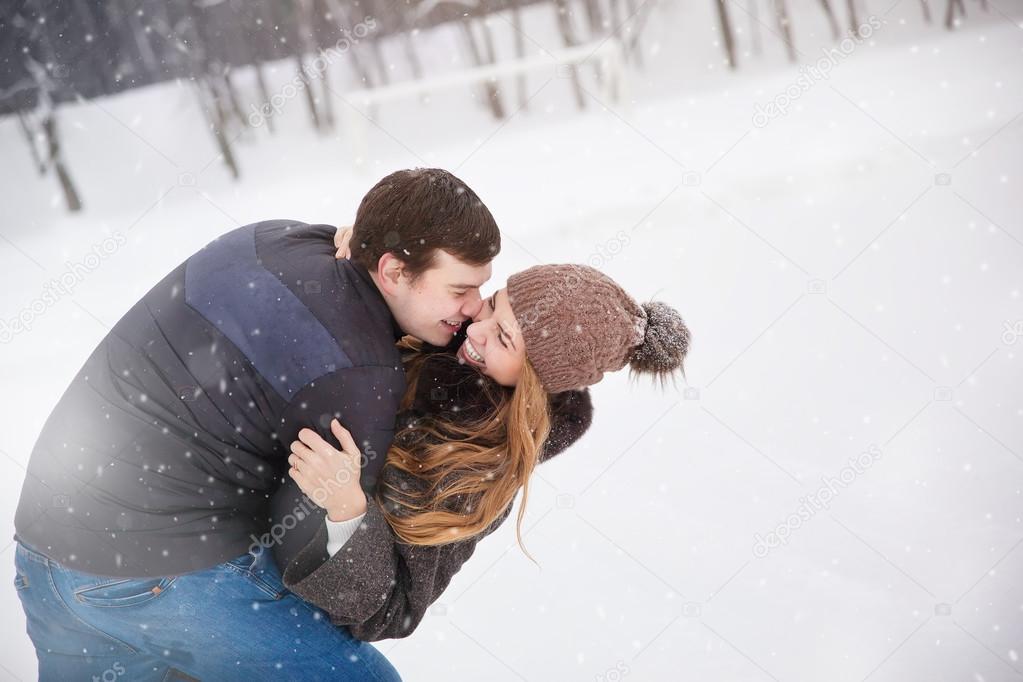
(341,242)
(328,476)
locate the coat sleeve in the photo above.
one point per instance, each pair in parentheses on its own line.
(380,587)
(377,585)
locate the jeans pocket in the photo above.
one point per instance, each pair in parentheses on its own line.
(123,592)
(260,571)
(20,582)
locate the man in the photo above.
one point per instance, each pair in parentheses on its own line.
(153,473)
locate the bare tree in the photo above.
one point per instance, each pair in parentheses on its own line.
(191,29)
(854,22)
(30,138)
(925,6)
(568,37)
(520,52)
(726,32)
(950,19)
(344,23)
(305,43)
(754,27)
(784,25)
(832,21)
(47,115)
(491,95)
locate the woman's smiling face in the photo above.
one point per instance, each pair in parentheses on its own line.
(493,342)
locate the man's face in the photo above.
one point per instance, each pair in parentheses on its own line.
(434,306)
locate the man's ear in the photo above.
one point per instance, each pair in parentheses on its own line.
(390,270)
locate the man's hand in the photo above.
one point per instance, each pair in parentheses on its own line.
(341,242)
(328,476)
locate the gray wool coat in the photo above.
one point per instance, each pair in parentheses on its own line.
(377,585)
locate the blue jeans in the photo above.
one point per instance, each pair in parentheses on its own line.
(235,621)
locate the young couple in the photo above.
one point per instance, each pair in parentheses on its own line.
(366,419)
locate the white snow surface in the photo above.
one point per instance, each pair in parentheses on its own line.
(852,276)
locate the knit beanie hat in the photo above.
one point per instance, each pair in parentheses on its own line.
(577,323)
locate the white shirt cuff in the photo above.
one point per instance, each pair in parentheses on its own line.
(339,532)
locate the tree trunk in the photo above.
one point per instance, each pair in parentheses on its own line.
(520,53)
(328,97)
(726,33)
(630,7)
(71,198)
(950,14)
(782,14)
(832,21)
(568,37)
(754,28)
(232,98)
(264,96)
(307,88)
(594,17)
(341,16)
(30,137)
(854,22)
(490,94)
(218,118)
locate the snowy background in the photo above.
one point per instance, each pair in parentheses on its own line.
(851,271)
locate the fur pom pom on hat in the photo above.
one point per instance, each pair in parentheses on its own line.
(577,324)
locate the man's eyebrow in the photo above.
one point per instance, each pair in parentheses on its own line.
(465,286)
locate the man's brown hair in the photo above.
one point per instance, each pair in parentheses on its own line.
(413,212)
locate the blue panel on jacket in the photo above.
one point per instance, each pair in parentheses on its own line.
(285,342)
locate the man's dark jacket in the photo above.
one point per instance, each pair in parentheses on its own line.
(162,454)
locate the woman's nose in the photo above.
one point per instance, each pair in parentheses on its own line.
(476,334)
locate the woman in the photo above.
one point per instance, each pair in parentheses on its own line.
(476,426)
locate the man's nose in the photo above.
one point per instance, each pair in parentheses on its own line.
(473,306)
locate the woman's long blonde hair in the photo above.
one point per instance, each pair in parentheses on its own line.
(470,470)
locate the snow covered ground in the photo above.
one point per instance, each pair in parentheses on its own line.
(852,272)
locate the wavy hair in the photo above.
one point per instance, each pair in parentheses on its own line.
(467,468)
